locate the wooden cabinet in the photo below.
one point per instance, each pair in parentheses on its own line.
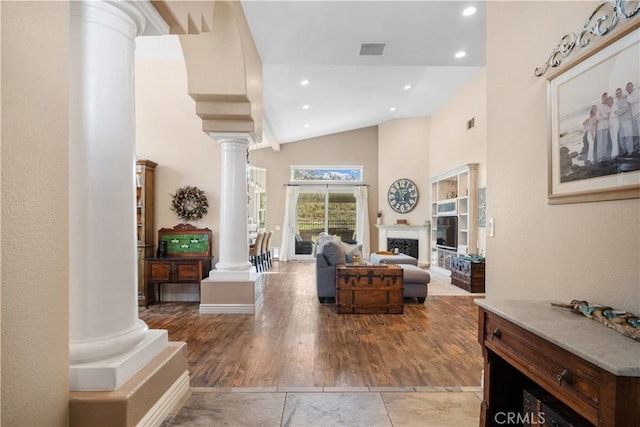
(454,214)
(468,274)
(529,345)
(145,170)
(369,289)
(188,259)
(159,271)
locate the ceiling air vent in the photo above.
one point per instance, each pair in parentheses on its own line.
(372,49)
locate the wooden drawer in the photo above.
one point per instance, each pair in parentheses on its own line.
(571,379)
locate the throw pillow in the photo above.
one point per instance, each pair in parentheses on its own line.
(323,239)
(351,250)
(334,253)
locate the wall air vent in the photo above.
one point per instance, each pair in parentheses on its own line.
(471,123)
(372,49)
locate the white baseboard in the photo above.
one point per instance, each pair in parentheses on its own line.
(232,308)
(168,401)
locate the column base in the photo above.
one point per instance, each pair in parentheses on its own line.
(109,374)
(145,399)
(230,292)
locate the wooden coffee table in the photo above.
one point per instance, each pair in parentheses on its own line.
(372,289)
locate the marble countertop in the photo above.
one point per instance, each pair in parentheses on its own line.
(572,331)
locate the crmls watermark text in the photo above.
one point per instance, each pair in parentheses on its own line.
(530,418)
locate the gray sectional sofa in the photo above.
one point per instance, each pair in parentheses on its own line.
(331,252)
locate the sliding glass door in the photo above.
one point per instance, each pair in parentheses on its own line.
(311,221)
(330,209)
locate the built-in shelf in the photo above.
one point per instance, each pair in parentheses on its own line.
(145,230)
(454,194)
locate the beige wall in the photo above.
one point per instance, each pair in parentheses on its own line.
(357,147)
(169,133)
(35,299)
(587,251)
(452,144)
(403,152)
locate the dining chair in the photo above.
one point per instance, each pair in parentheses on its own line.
(267,251)
(255,251)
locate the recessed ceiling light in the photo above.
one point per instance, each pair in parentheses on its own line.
(469,11)
(305,107)
(461,54)
(407,87)
(306,125)
(304,82)
(392,109)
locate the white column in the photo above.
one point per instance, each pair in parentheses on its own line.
(108,343)
(234,240)
(234,286)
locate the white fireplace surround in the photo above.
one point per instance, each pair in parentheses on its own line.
(415,232)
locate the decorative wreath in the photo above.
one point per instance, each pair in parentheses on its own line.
(189,203)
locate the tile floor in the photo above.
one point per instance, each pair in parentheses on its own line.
(330,406)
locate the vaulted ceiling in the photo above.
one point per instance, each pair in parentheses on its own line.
(320,41)
(415,72)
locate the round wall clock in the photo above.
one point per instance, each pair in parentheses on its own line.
(402,195)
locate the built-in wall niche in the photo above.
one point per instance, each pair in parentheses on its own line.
(257,197)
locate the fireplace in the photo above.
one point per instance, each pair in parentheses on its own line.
(404,246)
(392,236)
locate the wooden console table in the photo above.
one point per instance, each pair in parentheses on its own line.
(369,289)
(592,369)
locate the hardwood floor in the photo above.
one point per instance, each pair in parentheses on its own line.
(296,342)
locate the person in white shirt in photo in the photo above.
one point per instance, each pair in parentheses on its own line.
(602,129)
(623,111)
(590,131)
(614,127)
(633,98)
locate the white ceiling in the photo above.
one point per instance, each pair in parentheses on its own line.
(320,41)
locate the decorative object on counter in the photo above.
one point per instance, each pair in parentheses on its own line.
(402,222)
(628,324)
(162,249)
(189,203)
(379,218)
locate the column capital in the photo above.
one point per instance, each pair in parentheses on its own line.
(148,20)
(242,137)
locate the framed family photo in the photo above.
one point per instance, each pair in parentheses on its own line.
(594,126)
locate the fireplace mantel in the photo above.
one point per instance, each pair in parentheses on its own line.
(403,231)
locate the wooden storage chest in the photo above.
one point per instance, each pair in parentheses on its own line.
(369,289)
(467,274)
